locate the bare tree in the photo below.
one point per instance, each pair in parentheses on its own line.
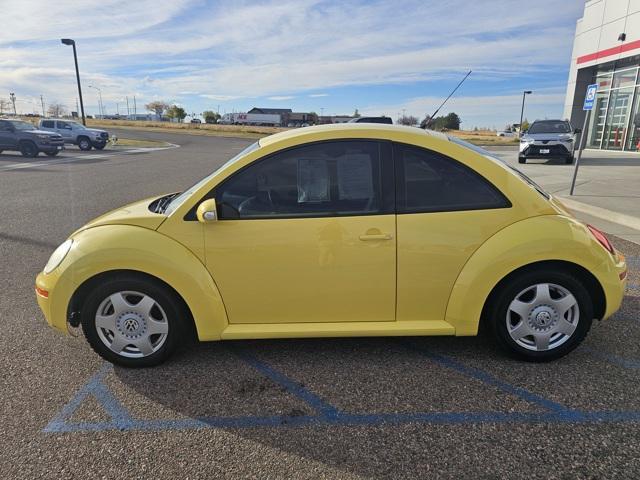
(4,105)
(159,107)
(409,120)
(56,109)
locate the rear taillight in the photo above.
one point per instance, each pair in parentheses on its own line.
(602,239)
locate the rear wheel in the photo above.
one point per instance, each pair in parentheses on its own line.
(84,143)
(541,315)
(132,322)
(28,149)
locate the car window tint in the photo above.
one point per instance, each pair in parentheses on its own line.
(47,124)
(322,179)
(431,182)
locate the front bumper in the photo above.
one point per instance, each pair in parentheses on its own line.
(550,149)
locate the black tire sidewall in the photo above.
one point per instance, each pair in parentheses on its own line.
(519,283)
(159,293)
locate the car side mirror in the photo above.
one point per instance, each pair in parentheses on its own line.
(207,212)
(577,130)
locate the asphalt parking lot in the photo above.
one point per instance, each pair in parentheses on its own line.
(328,408)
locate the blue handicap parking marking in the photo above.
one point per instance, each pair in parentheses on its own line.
(326,414)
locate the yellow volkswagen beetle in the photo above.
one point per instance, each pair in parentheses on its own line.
(338,230)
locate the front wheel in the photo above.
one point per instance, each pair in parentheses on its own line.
(28,149)
(132,322)
(84,143)
(541,315)
(522,159)
(569,160)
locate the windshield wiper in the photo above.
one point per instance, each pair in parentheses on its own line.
(163,202)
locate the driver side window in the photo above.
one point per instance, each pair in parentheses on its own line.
(322,179)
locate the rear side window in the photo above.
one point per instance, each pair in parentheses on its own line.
(316,180)
(427,181)
(48,124)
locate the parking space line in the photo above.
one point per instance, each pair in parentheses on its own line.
(291,386)
(489,379)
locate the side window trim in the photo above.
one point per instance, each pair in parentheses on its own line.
(387,183)
(401,208)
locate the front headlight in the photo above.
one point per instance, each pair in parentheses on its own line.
(57,256)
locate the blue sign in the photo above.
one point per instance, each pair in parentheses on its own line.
(590,98)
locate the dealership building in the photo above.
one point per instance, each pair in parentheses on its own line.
(606,51)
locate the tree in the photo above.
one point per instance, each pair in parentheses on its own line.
(176,112)
(525,125)
(448,122)
(159,107)
(56,110)
(210,116)
(356,114)
(409,120)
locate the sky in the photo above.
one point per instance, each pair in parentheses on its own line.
(332,57)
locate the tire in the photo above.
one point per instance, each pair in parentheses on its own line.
(52,154)
(569,160)
(84,143)
(141,339)
(28,149)
(99,146)
(522,159)
(543,315)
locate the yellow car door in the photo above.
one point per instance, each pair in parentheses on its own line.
(446,210)
(307,235)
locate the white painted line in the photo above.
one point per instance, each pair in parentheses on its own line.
(608,215)
(18,166)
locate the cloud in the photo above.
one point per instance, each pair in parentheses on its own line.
(281,97)
(229,51)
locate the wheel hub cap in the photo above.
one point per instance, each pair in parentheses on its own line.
(542,318)
(131,325)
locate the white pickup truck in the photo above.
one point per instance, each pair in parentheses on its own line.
(76,133)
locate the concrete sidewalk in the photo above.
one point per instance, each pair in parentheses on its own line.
(607,192)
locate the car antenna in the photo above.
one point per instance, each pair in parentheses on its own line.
(445,101)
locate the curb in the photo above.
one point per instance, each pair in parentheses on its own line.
(608,215)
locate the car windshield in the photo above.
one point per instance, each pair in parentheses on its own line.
(18,125)
(178,200)
(550,126)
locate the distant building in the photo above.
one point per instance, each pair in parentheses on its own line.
(606,51)
(270,111)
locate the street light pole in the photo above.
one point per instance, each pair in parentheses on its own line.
(68,41)
(101,105)
(524,94)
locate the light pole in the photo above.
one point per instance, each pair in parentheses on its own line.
(12,97)
(68,41)
(524,94)
(101,106)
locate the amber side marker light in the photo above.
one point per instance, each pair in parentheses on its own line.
(623,275)
(602,238)
(42,292)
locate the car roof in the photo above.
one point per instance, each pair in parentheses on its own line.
(340,129)
(550,120)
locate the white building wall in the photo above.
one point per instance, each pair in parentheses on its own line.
(596,31)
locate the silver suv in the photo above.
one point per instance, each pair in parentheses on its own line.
(548,139)
(76,133)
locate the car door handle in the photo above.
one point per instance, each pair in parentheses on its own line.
(375,236)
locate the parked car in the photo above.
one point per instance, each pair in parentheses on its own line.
(25,138)
(196,120)
(548,139)
(506,133)
(76,133)
(386,120)
(337,230)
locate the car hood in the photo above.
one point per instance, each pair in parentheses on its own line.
(547,136)
(95,130)
(136,214)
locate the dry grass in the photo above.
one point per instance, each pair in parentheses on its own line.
(188,128)
(483,137)
(129,142)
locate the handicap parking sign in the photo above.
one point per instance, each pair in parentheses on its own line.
(590,97)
